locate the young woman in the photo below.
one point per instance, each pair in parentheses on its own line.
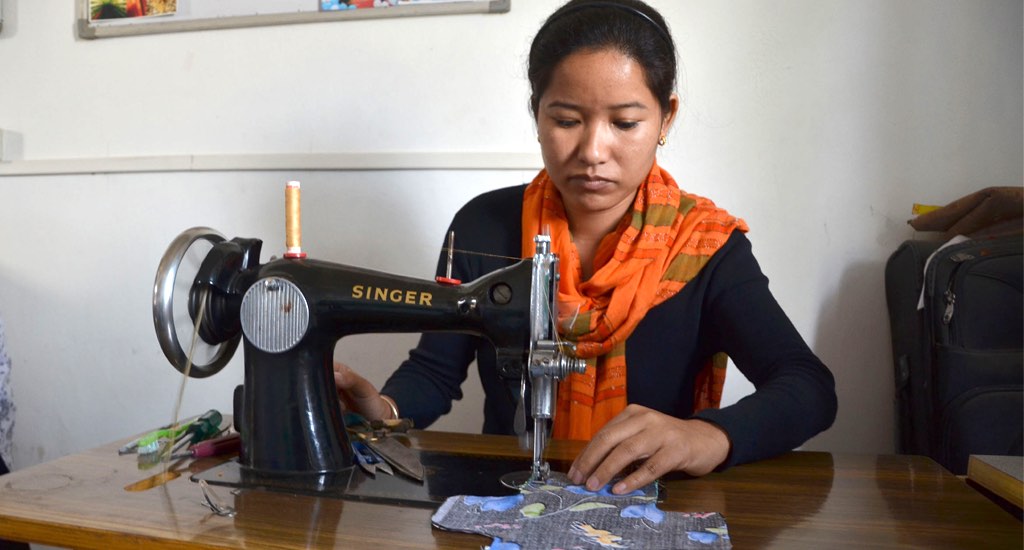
(657,285)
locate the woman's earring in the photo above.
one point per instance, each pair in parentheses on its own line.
(662,140)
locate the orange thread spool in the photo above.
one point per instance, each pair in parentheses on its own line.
(293,220)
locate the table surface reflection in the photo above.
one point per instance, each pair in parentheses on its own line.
(798,500)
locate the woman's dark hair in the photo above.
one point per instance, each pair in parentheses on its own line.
(629,26)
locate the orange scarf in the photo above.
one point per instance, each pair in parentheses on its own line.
(661,244)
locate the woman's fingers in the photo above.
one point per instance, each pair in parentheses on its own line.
(627,452)
(606,454)
(358,394)
(658,443)
(646,473)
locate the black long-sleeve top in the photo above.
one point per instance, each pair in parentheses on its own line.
(727,308)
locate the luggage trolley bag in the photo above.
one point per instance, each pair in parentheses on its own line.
(959,368)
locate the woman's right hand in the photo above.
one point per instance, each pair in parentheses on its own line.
(358,395)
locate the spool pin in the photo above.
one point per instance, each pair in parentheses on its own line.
(293,220)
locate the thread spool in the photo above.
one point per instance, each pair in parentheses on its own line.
(293,220)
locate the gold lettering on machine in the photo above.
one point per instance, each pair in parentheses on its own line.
(393,295)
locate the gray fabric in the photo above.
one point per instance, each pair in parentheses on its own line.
(557,516)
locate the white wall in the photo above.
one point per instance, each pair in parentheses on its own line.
(820,122)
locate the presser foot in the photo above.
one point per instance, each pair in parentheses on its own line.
(539,474)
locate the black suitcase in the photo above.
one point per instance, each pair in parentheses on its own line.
(959,365)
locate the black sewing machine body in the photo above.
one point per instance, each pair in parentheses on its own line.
(289,313)
(292,312)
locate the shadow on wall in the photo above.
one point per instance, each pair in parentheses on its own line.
(8,18)
(856,314)
(33,368)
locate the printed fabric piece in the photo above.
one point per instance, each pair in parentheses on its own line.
(571,517)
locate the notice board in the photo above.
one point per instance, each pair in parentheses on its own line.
(111,18)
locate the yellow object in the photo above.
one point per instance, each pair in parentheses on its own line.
(293,220)
(924,208)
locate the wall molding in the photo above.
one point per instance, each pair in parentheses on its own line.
(275,162)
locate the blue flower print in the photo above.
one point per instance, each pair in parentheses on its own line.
(647,511)
(702,537)
(498,544)
(495,504)
(605,491)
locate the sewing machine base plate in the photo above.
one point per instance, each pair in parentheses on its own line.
(445,475)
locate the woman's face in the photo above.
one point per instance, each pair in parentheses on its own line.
(598,125)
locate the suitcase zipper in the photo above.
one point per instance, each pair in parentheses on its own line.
(958,258)
(950,296)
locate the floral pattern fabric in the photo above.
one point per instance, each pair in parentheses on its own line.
(571,517)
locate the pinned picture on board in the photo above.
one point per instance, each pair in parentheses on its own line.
(119,9)
(335,5)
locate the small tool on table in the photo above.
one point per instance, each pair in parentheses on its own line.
(403,458)
(150,442)
(214,502)
(369,461)
(204,427)
(225,444)
(376,436)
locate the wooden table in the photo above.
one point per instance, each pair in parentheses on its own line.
(799,500)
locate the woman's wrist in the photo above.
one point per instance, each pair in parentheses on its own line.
(392,407)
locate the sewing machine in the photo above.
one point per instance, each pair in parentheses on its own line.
(290,312)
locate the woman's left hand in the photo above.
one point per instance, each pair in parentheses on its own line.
(664,444)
